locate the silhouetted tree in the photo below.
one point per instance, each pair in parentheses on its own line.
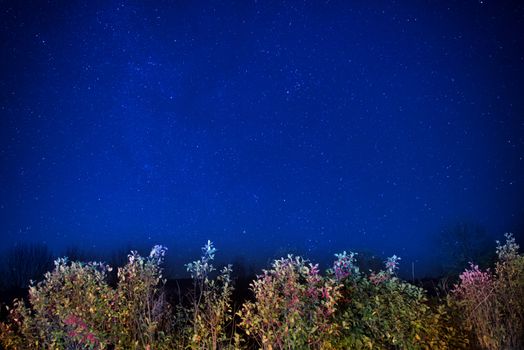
(462,243)
(75,253)
(26,262)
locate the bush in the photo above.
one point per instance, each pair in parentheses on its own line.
(211,302)
(75,308)
(379,311)
(492,304)
(68,309)
(293,307)
(144,315)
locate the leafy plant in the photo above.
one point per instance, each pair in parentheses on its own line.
(75,308)
(143,314)
(492,304)
(69,309)
(293,308)
(380,311)
(211,301)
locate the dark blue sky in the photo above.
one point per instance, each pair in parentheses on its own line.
(265,126)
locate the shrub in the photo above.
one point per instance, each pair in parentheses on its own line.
(492,304)
(510,292)
(475,295)
(211,301)
(380,311)
(68,309)
(293,307)
(75,308)
(143,314)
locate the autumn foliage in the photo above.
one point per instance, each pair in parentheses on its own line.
(292,306)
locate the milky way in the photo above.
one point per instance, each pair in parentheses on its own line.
(310,127)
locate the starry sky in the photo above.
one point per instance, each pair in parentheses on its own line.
(266,126)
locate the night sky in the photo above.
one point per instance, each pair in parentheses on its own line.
(268,127)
